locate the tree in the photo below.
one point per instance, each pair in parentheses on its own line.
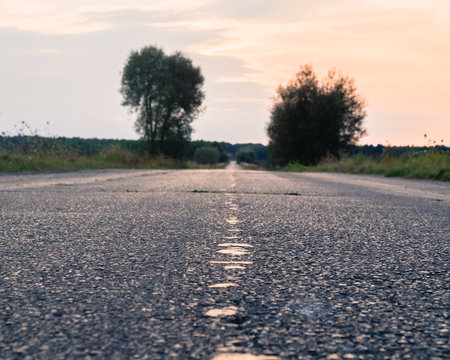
(221,147)
(246,154)
(207,155)
(311,119)
(166,93)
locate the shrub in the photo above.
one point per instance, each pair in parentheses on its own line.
(247,155)
(207,155)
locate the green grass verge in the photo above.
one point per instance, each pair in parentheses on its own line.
(432,165)
(110,159)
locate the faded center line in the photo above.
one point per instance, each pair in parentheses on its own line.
(236,244)
(232,220)
(234,251)
(232,262)
(226,311)
(240,356)
(237,250)
(222,285)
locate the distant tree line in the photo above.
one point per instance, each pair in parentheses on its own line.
(252,153)
(257,153)
(196,146)
(261,152)
(27,144)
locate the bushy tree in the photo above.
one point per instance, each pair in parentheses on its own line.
(221,146)
(207,155)
(166,93)
(246,154)
(311,119)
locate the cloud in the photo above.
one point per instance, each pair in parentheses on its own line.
(282,10)
(82,16)
(398,51)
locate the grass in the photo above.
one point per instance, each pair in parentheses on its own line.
(431,165)
(31,153)
(297,167)
(113,157)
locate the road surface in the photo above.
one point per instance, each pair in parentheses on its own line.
(223,264)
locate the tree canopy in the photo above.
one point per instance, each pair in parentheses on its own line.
(207,155)
(311,119)
(246,154)
(166,93)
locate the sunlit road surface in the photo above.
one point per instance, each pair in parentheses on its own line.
(223,264)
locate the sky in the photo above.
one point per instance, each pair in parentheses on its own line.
(61,62)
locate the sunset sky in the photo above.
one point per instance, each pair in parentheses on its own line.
(61,61)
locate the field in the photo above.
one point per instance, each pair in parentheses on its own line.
(33,153)
(36,153)
(431,164)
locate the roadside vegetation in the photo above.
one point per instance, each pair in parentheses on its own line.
(246,155)
(432,164)
(312,117)
(315,124)
(207,155)
(112,157)
(37,153)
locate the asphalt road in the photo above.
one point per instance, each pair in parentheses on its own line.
(223,265)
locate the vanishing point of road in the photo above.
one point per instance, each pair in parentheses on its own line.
(224,265)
